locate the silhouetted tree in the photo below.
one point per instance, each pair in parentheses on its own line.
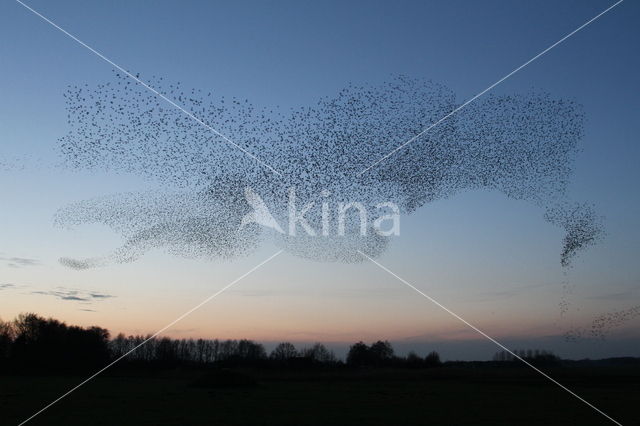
(318,353)
(432,359)
(381,352)
(51,344)
(251,351)
(535,356)
(166,351)
(413,360)
(228,349)
(7,335)
(284,352)
(358,354)
(503,356)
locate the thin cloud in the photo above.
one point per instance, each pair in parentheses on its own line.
(100,296)
(18,262)
(73,294)
(74,298)
(83,297)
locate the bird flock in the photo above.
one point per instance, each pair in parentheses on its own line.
(603,324)
(521,145)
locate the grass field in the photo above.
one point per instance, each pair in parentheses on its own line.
(441,396)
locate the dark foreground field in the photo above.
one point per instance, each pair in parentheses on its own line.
(439,396)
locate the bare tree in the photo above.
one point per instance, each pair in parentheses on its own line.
(283,352)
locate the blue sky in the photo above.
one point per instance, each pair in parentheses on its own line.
(493,260)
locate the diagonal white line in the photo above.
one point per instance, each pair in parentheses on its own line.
(490,87)
(171,324)
(458,317)
(151,89)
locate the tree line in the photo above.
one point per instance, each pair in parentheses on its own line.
(534,355)
(33,343)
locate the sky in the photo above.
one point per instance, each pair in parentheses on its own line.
(492,260)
